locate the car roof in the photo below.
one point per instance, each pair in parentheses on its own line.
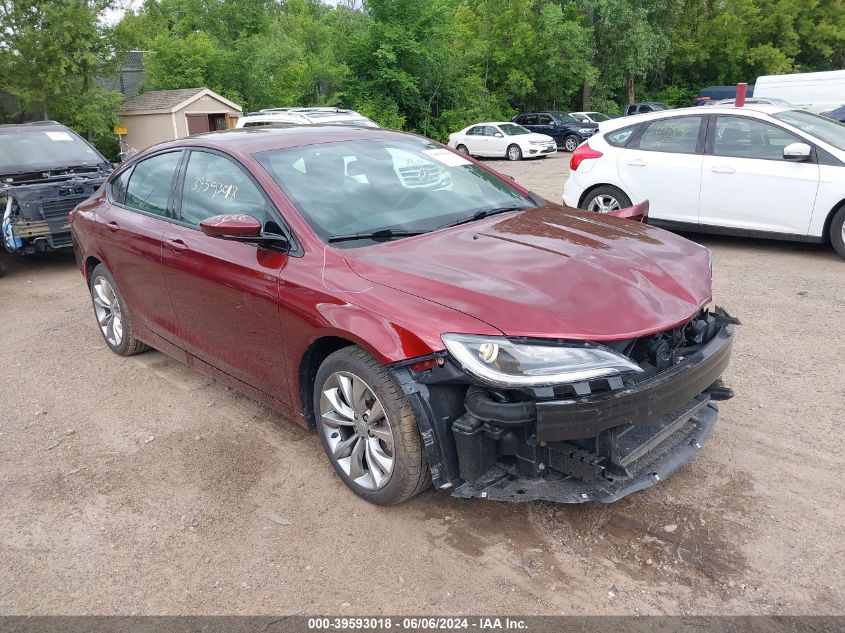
(755,109)
(252,140)
(33,126)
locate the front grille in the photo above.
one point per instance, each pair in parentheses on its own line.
(58,209)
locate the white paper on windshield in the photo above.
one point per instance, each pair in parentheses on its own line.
(446,157)
(59,136)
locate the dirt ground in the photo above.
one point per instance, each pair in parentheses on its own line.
(140,486)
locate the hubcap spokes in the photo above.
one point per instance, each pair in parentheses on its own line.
(107,311)
(357,430)
(603,204)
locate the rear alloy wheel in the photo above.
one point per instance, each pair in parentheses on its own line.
(112,315)
(368,429)
(514,152)
(570,143)
(606,199)
(837,231)
(462,149)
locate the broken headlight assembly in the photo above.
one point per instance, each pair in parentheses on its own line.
(501,362)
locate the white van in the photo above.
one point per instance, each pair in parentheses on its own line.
(816,92)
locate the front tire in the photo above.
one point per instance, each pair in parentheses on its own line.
(837,232)
(570,143)
(513,153)
(368,429)
(112,314)
(605,199)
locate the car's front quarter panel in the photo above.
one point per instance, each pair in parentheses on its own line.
(321,297)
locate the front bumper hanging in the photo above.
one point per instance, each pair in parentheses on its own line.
(596,447)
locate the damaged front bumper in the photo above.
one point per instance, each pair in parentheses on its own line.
(600,446)
(34,215)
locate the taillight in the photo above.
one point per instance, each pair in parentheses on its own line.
(583,153)
(70,217)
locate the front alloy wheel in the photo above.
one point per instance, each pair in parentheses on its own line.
(357,430)
(570,143)
(368,429)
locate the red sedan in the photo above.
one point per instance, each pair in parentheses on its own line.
(432,320)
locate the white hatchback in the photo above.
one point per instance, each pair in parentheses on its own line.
(757,171)
(502,139)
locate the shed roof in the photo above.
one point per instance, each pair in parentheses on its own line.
(163,101)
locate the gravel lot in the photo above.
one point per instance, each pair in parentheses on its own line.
(139,486)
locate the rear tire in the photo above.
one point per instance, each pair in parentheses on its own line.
(368,429)
(514,152)
(462,149)
(605,199)
(837,232)
(112,314)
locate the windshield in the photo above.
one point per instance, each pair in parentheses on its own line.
(512,129)
(398,183)
(38,149)
(598,116)
(822,128)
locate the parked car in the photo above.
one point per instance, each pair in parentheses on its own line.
(752,101)
(502,139)
(589,117)
(755,171)
(816,92)
(472,335)
(567,131)
(305,116)
(641,108)
(837,115)
(717,93)
(46,169)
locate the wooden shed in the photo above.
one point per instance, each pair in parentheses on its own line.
(164,115)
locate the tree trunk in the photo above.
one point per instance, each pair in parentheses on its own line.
(585,101)
(629,89)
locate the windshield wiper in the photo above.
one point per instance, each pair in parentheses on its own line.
(483,213)
(382,234)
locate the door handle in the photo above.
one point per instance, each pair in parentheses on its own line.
(112,226)
(723,170)
(636,162)
(176,245)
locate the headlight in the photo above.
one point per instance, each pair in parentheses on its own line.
(504,363)
(586,130)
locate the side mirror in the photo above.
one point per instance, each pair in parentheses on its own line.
(237,226)
(797,151)
(499,135)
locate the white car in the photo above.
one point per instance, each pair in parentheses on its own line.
(304,116)
(502,139)
(760,170)
(590,117)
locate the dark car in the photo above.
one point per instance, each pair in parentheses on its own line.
(717,93)
(46,169)
(567,131)
(837,115)
(432,320)
(640,108)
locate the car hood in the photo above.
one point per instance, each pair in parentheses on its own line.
(550,272)
(534,136)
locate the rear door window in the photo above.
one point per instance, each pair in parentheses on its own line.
(151,183)
(676,135)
